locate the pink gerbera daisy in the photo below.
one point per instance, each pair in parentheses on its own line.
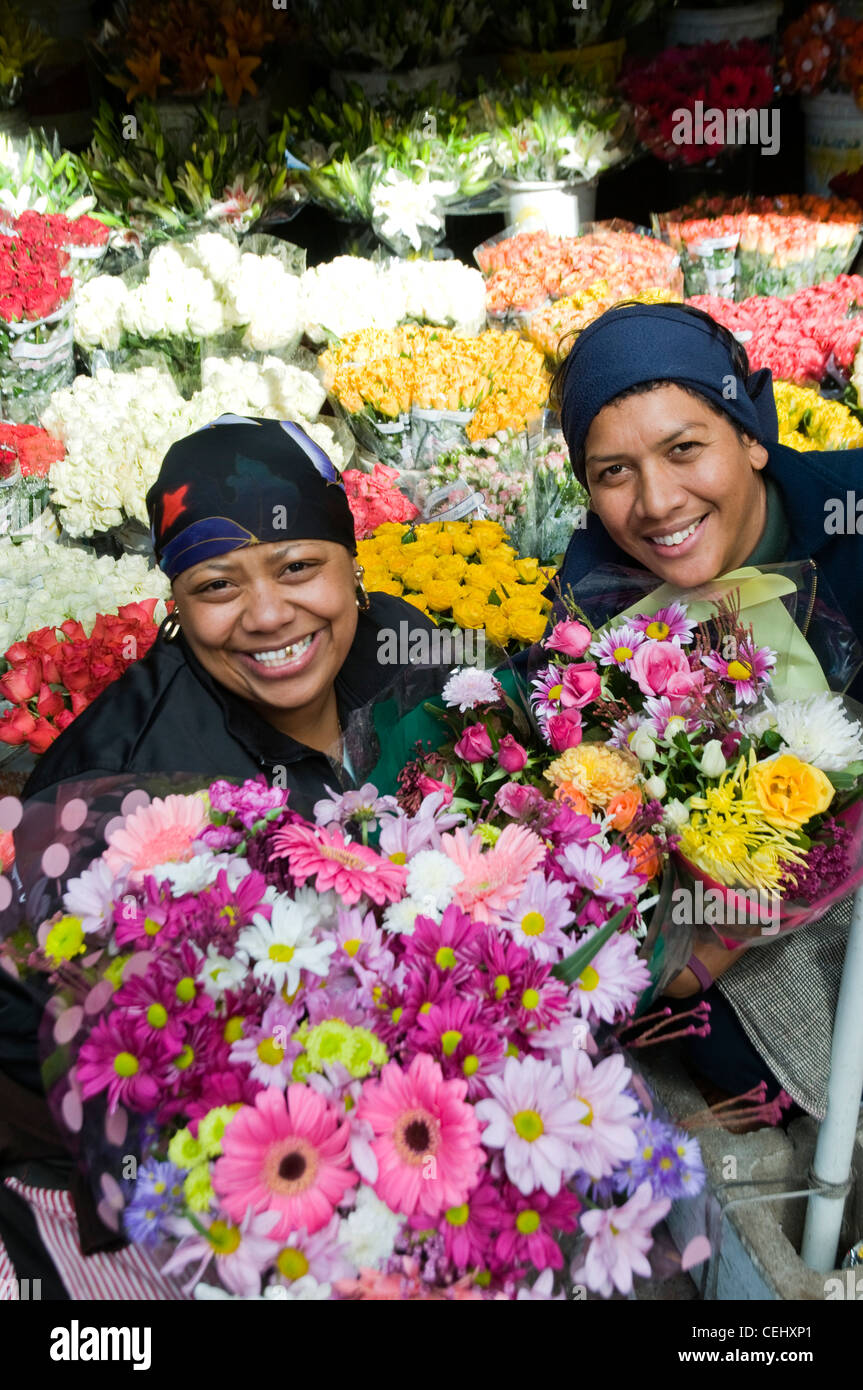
(426,1137)
(667,625)
(492,878)
(617,647)
(163,832)
(287,1153)
(747,671)
(606,1136)
(353,870)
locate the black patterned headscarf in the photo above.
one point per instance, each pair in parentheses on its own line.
(241,482)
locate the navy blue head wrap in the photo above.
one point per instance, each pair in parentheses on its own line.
(241,482)
(659,342)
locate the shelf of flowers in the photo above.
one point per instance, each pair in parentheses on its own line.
(739,247)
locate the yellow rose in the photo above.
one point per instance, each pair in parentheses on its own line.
(496,625)
(450,567)
(384,586)
(527,625)
(420,572)
(401,560)
(528,569)
(790,792)
(478,577)
(419,602)
(464,544)
(469,612)
(440,594)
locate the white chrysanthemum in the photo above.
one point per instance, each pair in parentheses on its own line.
(285,945)
(444,292)
(431,881)
(369,1233)
(400,917)
(194,875)
(817,730)
(469,687)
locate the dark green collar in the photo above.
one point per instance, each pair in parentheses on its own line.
(772,548)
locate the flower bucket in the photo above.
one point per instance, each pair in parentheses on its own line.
(375,84)
(730,22)
(558,207)
(36,359)
(600,60)
(834,138)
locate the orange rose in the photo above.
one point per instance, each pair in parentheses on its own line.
(622,808)
(644,854)
(576,799)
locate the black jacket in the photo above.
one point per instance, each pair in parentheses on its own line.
(168,715)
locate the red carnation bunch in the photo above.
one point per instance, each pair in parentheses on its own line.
(28,447)
(32,283)
(374,498)
(799,338)
(721,76)
(55,673)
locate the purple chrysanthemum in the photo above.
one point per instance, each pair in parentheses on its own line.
(747,671)
(667,625)
(617,647)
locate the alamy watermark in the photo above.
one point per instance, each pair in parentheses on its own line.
(718,907)
(843,516)
(736,126)
(420,646)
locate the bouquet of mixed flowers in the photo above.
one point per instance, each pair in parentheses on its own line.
(55,673)
(609,261)
(812,335)
(545,129)
(352,1072)
(464,574)
(808,422)
(822,51)
(434,385)
(44,585)
(782,243)
(719,80)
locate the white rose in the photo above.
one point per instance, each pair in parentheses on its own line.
(655,788)
(643,745)
(713,762)
(675,814)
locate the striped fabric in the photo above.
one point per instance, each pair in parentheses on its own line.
(121,1275)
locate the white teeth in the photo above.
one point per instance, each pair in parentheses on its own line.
(278,658)
(677,537)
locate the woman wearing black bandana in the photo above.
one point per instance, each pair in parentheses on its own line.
(677,443)
(273,643)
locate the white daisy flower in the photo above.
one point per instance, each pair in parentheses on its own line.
(221,973)
(287,944)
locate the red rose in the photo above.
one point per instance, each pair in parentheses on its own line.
(50,703)
(21,684)
(41,738)
(16,725)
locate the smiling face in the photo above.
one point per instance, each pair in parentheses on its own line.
(675,486)
(274,623)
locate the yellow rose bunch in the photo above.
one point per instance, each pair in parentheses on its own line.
(462,574)
(498,376)
(808,422)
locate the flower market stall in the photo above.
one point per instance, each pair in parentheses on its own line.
(391,1048)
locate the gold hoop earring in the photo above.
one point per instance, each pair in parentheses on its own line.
(364,603)
(172,628)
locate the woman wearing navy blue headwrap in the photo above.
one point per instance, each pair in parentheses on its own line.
(676,441)
(273,643)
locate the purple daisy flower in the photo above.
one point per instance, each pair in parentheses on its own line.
(618,647)
(667,625)
(667,1158)
(362,805)
(747,672)
(605,874)
(158,1195)
(663,708)
(538,917)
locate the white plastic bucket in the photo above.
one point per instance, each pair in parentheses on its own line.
(729,22)
(560,208)
(834,138)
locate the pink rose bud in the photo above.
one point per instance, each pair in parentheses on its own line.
(428,786)
(510,754)
(655,663)
(564,730)
(580,685)
(569,637)
(515,799)
(474,746)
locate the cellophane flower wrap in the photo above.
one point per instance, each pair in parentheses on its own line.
(36,346)
(295,1059)
(756,786)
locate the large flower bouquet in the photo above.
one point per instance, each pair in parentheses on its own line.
(117,427)
(36,349)
(545,129)
(822,51)
(55,673)
(350,293)
(758,795)
(812,335)
(356,1072)
(610,261)
(414,378)
(375,498)
(43,585)
(782,243)
(808,422)
(464,574)
(665,91)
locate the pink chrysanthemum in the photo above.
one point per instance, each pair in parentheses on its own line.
(747,672)
(450,947)
(528,1224)
(609,986)
(606,1136)
(163,832)
(538,917)
(427,1137)
(353,870)
(620,1239)
(534,1121)
(617,647)
(469,1229)
(289,1154)
(667,625)
(118,1057)
(460,1040)
(492,878)
(606,874)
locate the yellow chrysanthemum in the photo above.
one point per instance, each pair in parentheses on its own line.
(597,771)
(65,940)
